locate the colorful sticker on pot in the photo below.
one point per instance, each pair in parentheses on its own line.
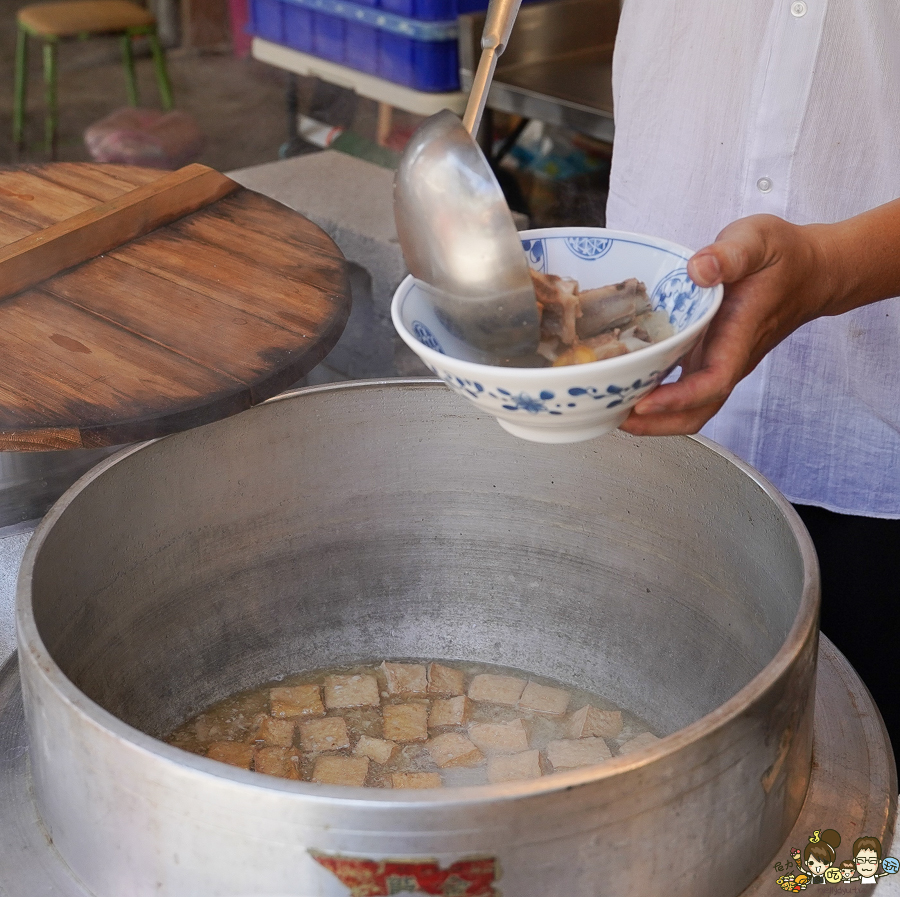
(384,878)
(819,863)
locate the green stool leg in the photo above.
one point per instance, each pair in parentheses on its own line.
(162,75)
(50,87)
(21,85)
(128,60)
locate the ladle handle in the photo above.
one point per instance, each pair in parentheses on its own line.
(498,24)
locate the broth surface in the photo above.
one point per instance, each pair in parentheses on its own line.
(413,724)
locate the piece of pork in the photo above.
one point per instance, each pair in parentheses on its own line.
(615,305)
(558,304)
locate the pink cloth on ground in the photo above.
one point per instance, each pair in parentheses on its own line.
(145,137)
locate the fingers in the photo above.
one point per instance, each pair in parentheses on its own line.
(676,423)
(741,249)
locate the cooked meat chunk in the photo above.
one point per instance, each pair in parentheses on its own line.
(454,749)
(558,303)
(273,732)
(405,678)
(375,749)
(233,753)
(336,770)
(283,762)
(496,689)
(544,699)
(514,767)
(590,721)
(406,722)
(351,691)
(416,780)
(449,712)
(500,738)
(329,734)
(297,700)
(612,306)
(444,680)
(569,754)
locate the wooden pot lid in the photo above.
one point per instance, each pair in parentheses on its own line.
(195,320)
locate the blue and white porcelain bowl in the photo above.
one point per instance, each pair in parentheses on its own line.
(575,402)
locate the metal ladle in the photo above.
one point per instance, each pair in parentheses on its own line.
(455,228)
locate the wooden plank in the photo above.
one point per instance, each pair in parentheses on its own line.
(231,279)
(101,183)
(105,366)
(277,236)
(97,230)
(12,229)
(37,196)
(235,342)
(40,203)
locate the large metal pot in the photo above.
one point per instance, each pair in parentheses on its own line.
(388,520)
(31,481)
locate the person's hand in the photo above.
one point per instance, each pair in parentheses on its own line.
(776,278)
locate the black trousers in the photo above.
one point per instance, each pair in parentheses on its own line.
(860,562)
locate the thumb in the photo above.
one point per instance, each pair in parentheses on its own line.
(739,251)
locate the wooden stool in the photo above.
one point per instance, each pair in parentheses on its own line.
(51,22)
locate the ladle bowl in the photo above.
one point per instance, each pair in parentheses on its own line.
(455,228)
(458,236)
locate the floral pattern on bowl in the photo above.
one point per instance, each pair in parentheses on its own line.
(547,401)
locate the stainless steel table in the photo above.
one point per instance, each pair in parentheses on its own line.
(557,67)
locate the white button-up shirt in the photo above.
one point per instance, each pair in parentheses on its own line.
(791,107)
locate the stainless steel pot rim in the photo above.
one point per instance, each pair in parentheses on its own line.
(95,715)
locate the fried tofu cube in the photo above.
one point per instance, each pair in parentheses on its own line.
(375,748)
(638,742)
(351,691)
(329,734)
(445,680)
(514,767)
(493,689)
(544,699)
(500,738)
(454,749)
(296,700)
(572,753)
(405,678)
(341,771)
(283,762)
(449,712)
(273,732)
(590,721)
(405,722)
(416,780)
(234,753)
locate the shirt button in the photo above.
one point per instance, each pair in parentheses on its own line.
(798,9)
(764,185)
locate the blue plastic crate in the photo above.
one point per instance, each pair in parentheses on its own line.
(298,27)
(362,47)
(329,37)
(422,65)
(267,19)
(418,50)
(425,10)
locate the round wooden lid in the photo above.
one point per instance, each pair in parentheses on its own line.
(196,320)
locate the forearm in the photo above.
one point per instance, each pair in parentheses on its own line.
(860,257)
